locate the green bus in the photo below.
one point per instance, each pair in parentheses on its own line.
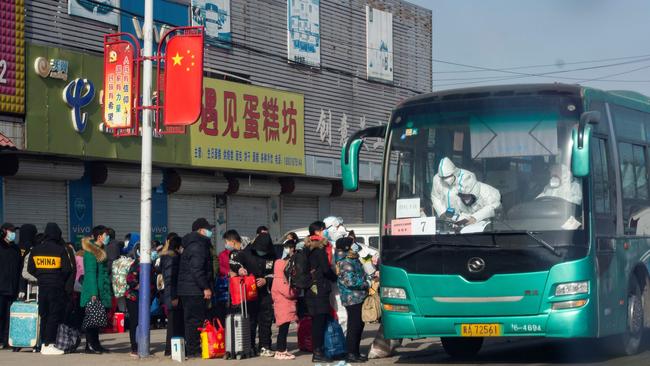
(542,228)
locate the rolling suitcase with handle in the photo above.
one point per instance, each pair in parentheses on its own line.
(238,331)
(24,322)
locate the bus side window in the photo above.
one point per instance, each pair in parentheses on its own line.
(604,198)
(634,183)
(373,241)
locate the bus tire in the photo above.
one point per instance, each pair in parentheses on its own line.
(462,347)
(629,342)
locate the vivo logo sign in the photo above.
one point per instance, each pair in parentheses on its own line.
(159,229)
(78,229)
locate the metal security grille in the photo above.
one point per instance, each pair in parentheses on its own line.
(245,214)
(351,210)
(298,212)
(118,208)
(37,202)
(183,209)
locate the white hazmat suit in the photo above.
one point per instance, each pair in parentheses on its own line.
(444,192)
(484,202)
(562,185)
(335,230)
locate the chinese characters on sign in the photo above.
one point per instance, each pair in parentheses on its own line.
(249,127)
(324,130)
(118,84)
(12,57)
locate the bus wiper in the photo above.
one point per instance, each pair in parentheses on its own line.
(544,243)
(429,245)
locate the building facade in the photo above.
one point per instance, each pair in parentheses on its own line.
(285,84)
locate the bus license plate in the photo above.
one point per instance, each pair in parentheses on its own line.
(480,330)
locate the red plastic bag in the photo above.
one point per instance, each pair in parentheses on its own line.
(213,343)
(250,289)
(304,335)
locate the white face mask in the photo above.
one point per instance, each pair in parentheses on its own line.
(554,182)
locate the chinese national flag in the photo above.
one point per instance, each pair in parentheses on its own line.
(183,80)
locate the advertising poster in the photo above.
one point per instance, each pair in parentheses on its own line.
(100,10)
(303,31)
(118,84)
(214,15)
(379,44)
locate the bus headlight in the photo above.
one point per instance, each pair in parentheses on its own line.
(562,305)
(393,293)
(572,288)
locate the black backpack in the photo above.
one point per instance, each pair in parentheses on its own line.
(297,272)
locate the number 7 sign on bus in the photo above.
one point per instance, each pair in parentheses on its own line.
(416,226)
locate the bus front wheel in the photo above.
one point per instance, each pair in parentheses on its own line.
(458,347)
(629,342)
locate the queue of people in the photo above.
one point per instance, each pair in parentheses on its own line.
(190,280)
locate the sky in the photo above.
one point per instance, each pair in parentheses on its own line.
(613,35)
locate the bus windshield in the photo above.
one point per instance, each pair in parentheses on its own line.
(484,165)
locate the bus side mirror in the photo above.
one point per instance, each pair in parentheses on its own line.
(350,156)
(581,137)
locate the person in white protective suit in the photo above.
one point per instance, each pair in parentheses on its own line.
(444,192)
(480,201)
(334,230)
(562,185)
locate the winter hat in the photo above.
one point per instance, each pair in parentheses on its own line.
(52,232)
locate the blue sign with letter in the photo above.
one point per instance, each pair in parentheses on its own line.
(159,214)
(78,94)
(164,12)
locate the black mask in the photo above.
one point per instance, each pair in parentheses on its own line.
(467,198)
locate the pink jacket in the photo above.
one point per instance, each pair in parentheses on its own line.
(79,261)
(284,298)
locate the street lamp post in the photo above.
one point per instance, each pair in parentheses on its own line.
(144,293)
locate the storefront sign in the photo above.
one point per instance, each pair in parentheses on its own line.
(12,57)
(78,94)
(119,75)
(249,127)
(379,44)
(106,11)
(159,214)
(303,31)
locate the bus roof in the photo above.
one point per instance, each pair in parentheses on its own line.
(626,98)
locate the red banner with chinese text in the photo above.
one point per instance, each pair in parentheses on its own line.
(119,81)
(183,80)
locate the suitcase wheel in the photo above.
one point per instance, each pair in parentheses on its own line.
(226,356)
(238,357)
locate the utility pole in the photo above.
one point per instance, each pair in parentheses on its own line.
(144,292)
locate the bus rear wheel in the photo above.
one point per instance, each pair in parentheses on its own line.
(629,342)
(462,347)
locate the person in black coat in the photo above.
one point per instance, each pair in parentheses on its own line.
(113,250)
(10,268)
(258,259)
(195,282)
(317,296)
(170,262)
(50,264)
(26,238)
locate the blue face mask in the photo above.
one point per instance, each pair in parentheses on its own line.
(261,253)
(229,247)
(356,248)
(154,256)
(11,235)
(285,253)
(107,239)
(208,233)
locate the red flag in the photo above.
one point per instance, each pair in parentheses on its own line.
(183,80)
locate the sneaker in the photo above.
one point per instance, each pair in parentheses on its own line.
(284,356)
(50,350)
(264,352)
(134,354)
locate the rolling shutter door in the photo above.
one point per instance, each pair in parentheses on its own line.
(36,202)
(117,208)
(351,210)
(245,214)
(183,209)
(298,212)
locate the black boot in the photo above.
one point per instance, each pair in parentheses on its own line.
(319,356)
(92,350)
(355,358)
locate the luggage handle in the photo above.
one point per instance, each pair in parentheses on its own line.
(29,292)
(242,294)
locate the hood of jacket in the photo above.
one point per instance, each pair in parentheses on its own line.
(96,249)
(194,237)
(263,243)
(53,233)
(135,238)
(314,242)
(26,235)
